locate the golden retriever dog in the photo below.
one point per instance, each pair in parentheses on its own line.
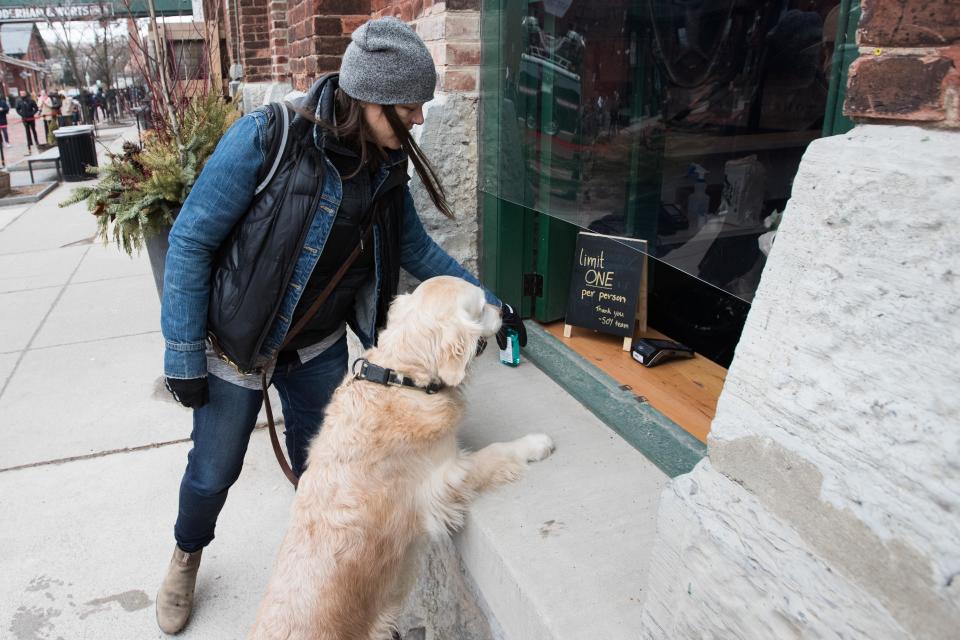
(385,474)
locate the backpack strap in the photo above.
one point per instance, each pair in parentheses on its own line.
(279,143)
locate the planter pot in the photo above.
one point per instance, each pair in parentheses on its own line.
(157,245)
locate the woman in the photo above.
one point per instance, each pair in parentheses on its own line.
(345,169)
(76,110)
(27,110)
(66,111)
(47,112)
(4,110)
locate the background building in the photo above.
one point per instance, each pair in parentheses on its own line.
(23,57)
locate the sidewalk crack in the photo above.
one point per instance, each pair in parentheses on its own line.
(110,452)
(43,322)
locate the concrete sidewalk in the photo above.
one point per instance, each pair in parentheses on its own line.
(93,446)
(93,450)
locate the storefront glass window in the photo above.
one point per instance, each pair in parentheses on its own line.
(681,122)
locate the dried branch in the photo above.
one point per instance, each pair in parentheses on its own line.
(164,74)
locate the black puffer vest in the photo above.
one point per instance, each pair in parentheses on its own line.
(253,268)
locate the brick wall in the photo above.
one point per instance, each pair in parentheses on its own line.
(318,33)
(451,31)
(277,22)
(255,40)
(909,64)
(297,40)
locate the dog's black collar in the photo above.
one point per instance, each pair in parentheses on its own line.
(388,377)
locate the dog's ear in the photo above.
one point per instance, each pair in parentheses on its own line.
(400,307)
(397,319)
(454,353)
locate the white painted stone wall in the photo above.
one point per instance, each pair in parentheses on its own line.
(256,94)
(830,505)
(444,605)
(448,138)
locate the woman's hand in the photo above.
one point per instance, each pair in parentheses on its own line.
(192,393)
(511,320)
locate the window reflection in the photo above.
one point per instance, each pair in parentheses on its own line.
(678,121)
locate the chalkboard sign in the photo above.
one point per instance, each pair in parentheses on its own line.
(608,285)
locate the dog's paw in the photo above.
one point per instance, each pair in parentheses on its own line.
(536,446)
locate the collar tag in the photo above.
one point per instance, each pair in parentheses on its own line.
(373,373)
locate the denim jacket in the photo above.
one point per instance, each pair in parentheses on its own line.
(219,199)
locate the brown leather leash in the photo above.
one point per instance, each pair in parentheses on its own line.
(297,328)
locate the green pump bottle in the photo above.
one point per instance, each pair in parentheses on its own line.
(510,356)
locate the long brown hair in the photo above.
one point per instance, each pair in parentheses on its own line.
(351,128)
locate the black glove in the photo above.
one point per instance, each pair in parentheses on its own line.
(511,320)
(192,393)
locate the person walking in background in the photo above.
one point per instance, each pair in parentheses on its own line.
(46,112)
(4,110)
(83,106)
(111,105)
(56,104)
(92,108)
(124,101)
(100,104)
(66,111)
(27,108)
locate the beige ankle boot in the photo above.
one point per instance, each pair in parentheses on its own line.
(175,599)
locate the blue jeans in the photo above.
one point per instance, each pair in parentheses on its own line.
(222,428)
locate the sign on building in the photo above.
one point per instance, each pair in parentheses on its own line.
(608,286)
(55,12)
(43,10)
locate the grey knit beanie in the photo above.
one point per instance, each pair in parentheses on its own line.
(387,63)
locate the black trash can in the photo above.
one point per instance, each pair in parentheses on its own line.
(77,151)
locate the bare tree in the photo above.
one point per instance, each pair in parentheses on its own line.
(68,42)
(75,64)
(108,53)
(156,70)
(167,70)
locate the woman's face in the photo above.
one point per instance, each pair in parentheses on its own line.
(376,119)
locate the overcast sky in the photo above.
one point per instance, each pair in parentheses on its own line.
(83,31)
(78,32)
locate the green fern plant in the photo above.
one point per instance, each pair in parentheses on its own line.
(140,190)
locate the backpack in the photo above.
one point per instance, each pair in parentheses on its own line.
(254,262)
(277,146)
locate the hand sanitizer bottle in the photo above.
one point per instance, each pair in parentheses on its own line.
(511,355)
